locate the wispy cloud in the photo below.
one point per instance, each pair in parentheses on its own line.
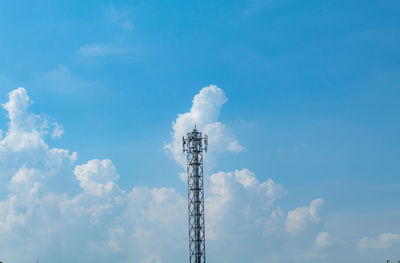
(294,148)
(119,17)
(96,50)
(63,80)
(121,24)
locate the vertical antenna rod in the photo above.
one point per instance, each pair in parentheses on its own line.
(194,144)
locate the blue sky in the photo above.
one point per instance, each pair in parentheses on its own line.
(308,92)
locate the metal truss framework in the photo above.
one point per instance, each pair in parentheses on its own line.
(194,144)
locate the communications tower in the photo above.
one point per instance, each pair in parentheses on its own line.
(194,144)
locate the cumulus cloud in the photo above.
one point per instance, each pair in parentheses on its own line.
(24,145)
(54,205)
(25,130)
(384,241)
(325,240)
(269,189)
(323,244)
(204,113)
(238,195)
(299,218)
(95,220)
(274,223)
(96,177)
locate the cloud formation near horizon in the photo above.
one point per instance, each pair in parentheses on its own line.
(54,205)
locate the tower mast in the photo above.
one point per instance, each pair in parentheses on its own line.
(194,144)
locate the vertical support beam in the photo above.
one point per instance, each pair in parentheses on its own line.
(194,144)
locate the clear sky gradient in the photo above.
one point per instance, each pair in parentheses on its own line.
(312,88)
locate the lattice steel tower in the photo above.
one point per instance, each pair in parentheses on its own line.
(194,144)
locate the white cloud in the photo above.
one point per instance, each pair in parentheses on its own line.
(58,131)
(53,205)
(96,177)
(240,196)
(42,213)
(29,162)
(385,240)
(274,223)
(220,195)
(299,218)
(23,144)
(117,238)
(246,178)
(204,113)
(325,240)
(269,188)
(324,243)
